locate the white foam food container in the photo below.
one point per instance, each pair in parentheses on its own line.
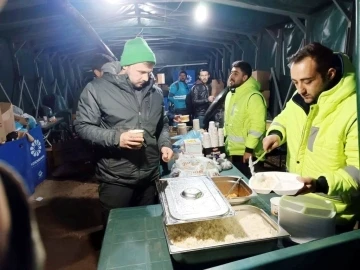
(307,218)
(282,183)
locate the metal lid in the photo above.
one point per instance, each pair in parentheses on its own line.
(188,199)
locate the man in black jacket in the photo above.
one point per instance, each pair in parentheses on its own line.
(201,96)
(111,106)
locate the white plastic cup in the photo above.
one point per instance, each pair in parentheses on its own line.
(182,130)
(275,201)
(206,140)
(137,132)
(196,124)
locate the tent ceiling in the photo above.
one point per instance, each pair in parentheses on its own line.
(165,24)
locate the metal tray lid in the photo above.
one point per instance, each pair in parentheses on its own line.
(188,199)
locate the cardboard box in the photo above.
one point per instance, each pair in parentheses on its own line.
(7,120)
(266,94)
(216,87)
(193,147)
(161,78)
(263,77)
(21,120)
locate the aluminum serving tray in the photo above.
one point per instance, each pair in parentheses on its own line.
(235,250)
(242,189)
(189,199)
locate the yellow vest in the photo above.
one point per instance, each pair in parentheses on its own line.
(245,119)
(324,142)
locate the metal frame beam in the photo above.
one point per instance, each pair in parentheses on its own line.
(272,35)
(232,3)
(75,15)
(299,24)
(204,40)
(176,26)
(241,48)
(228,47)
(253,41)
(220,51)
(196,44)
(308,25)
(343,10)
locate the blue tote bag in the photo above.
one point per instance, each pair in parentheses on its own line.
(27,158)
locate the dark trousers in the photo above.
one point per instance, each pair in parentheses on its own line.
(237,161)
(117,196)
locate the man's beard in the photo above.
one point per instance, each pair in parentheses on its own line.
(233,85)
(205,81)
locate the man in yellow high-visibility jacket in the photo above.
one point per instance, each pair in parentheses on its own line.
(245,117)
(320,127)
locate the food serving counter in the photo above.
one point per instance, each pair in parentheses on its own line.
(135,239)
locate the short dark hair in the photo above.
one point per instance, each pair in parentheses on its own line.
(323,56)
(203,70)
(183,72)
(244,67)
(99,60)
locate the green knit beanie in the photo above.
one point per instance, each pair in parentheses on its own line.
(137,51)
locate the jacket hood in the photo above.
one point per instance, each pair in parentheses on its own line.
(251,82)
(122,81)
(112,67)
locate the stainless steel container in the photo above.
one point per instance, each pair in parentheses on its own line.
(189,199)
(235,250)
(242,190)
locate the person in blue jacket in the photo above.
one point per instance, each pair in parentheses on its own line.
(177,94)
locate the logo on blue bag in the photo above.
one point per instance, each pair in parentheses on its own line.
(188,79)
(35,148)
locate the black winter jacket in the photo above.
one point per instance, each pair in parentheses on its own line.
(108,107)
(200,98)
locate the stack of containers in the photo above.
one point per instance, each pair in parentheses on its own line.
(206,140)
(221,137)
(196,124)
(213,134)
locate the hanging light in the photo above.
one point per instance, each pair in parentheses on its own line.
(201,13)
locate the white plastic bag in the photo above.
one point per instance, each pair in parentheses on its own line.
(188,165)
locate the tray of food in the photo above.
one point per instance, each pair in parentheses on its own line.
(189,199)
(240,194)
(251,231)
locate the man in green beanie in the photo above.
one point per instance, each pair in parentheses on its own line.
(122,116)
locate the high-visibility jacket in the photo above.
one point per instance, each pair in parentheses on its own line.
(245,119)
(322,140)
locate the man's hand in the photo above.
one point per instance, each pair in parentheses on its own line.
(211,98)
(309,185)
(246,157)
(271,142)
(177,118)
(131,141)
(167,153)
